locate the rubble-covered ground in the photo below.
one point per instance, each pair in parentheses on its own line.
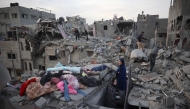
(167,87)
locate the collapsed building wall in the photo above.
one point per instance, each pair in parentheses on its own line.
(111,28)
(179,24)
(161,31)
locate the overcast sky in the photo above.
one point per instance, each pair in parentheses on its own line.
(94,10)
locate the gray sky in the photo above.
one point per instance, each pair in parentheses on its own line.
(94,10)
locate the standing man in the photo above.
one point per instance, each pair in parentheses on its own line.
(139,41)
(153,55)
(86,33)
(76,34)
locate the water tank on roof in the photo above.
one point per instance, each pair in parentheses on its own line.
(14,4)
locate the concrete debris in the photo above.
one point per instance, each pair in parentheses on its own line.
(186,69)
(165,63)
(153,98)
(51,46)
(17,98)
(148,77)
(41,102)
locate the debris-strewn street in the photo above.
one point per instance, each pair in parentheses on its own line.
(65,63)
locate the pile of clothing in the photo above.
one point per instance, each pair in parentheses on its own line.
(50,81)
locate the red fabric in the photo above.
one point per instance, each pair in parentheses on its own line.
(24,86)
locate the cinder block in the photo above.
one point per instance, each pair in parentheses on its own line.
(41,102)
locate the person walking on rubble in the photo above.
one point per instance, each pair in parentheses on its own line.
(121,75)
(86,33)
(139,41)
(76,34)
(153,55)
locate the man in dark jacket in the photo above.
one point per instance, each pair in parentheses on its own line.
(139,41)
(76,34)
(153,55)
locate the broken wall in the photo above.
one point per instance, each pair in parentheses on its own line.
(5,77)
(104,28)
(178,23)
(161,31)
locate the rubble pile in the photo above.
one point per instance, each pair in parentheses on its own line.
(96,60)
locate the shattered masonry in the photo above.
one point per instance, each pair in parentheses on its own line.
(27,50)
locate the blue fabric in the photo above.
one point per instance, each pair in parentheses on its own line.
(81,92)
(66,91)
(99,68)
(121,76)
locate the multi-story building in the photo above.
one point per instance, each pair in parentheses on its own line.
(178,31)
(16,15)
(15,50)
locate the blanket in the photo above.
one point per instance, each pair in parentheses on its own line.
(35,89)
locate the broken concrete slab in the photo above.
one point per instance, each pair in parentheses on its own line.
(165,63)
(17,98)
(152,98)
(148,77)
(183,58)
(157,81)
(56,94)
(163,82)
(76,97)
(168,74)
(167,54)
(186,69)
(179,101)
(41,102)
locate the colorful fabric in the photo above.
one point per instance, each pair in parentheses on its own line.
(35,89)
(24,86)
(60,86)
(72,80)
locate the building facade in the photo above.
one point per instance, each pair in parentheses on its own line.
(178,31)
(16,15)
(15,49)
(153,26)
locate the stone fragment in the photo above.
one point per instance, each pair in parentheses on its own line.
(41,102)
(148,77)
(157,81)
(165,63)
(168,74)
(167,54)
(17,98)
(186,69)
(153,97)
(163,82)
(179,101)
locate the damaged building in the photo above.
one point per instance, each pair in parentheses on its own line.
(153,26)
(16,15)
(179,24)
(112,28)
